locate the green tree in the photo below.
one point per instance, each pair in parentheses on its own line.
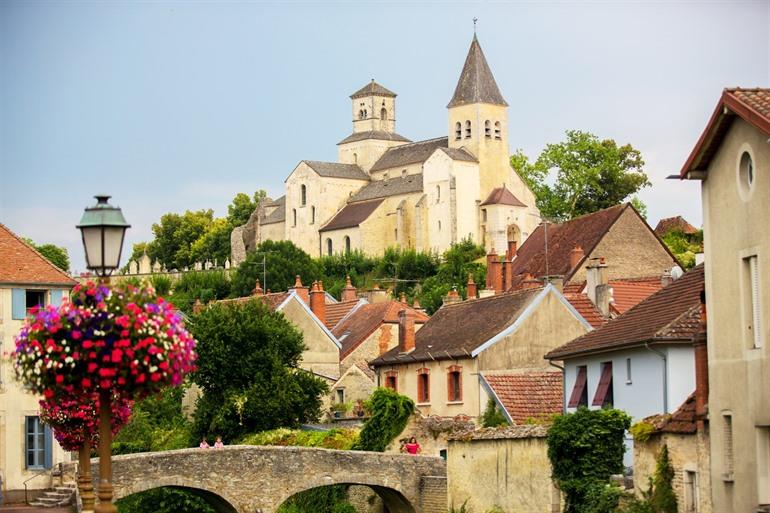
(458,262)
(57,255)
(283,262)
(248,371)
(239,211)
(492,416)
(157,424)
(164,500)
(175,235)
(684,246)
(582,175)
(200,285)
(214,244)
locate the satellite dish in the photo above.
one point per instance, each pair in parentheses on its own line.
(676,272)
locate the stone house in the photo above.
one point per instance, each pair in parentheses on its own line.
(642,362)
(386,190)
(732,159)
(27,279)
(441,366)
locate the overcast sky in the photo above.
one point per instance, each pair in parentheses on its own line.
(170,106)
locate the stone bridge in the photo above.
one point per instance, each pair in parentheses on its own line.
(258,479)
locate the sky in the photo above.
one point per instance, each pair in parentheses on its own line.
(170,106)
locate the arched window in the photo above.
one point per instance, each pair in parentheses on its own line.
(455,384)
(294,217)
(361,114)
(383,114)
(329,247)
(355,158)
(303,195)
(423,385)
(366,113)
(347,245)
(439,226)
(487,129)
(468,129)
(458,131)
(497,130)
(312,215)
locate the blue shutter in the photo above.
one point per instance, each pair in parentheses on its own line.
(48,454)
(56,296)
(19,304)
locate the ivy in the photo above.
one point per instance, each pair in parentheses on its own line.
(390,414)
(663,498)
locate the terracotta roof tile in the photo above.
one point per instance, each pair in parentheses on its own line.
(628,293)
(357,327)
(502,196)
(336,311)
(528,395)
(352,214)
(670,315)
(21,264)
(586,308)
(674,223)
(458,329)
(411,153)
(682,421)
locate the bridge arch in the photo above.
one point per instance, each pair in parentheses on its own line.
(216,501)
(394,499)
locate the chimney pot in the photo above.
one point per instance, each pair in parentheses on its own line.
(301,291)
(349,293)
(318,301)
(406,331)
(257,289)
(472,289)
(666,279)
(575,257)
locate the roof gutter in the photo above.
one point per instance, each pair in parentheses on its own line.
(563,385)
(665,374)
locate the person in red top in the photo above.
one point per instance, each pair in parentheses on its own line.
(412,447)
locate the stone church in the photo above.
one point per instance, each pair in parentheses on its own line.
(385,190)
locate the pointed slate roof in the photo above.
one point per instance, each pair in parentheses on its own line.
(502,196)
(372,89)
(476,84)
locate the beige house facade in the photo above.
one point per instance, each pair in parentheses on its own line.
(732,160)
(27,447)
(386,190)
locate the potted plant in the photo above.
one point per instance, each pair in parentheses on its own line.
(339,409)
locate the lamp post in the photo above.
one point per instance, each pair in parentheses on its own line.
(103,228)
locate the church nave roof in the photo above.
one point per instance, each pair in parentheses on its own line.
(412,153)
(381,135)
(337,170)
(352,215)
(391,187)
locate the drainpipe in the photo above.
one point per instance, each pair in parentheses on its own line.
(665,375)
(563,385)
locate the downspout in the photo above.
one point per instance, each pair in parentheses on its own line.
(563,384)
(665,374)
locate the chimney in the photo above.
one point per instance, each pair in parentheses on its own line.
(576,256)
(511,250)
(405,331)
(402,298)
(472,289)
(302,292)
(452,297)
(257,289)
(598,288)
(349,293)
(416,305)
(507,275)
(701,366)
(557,282)
(530,282)
(377,295)
(318,301)
(491,259)
(666,279)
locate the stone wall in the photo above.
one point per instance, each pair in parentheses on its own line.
(432,432)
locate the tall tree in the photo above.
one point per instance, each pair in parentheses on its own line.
(239,211)
(581,175)
(283,261)
(175,235)
(57,255)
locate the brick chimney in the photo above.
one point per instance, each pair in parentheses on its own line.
(576,256)
(701,367)
(452,297)
(472,289)
(507,273)
(598,289)
(402,298)
(257,289)
(318,301)
(491,259)
(511,252)
(405,331)
(302,292)
(349,292)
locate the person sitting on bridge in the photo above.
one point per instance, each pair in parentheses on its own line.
(219,444)
(204,444)
(412,447)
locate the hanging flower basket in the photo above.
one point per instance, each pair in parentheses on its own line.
(76,421)
(125,341)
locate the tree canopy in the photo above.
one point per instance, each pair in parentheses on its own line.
(581,175)
(57,255)
(239,211)
(283,262)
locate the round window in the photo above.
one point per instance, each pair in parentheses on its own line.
(746,172)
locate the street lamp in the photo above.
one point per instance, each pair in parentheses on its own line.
(103,228)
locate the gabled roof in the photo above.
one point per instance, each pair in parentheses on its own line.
(338,311)
(377,189)
(586,308)
(380,135)
(361,323)
(526,395)
(459,154)
(751,105)
(372,89)
(337,170)
(21,264)
(670,315)
(674,223)
(683,421)
(351,215)
(411,153)
(502,196)
(476,83)
(279,214)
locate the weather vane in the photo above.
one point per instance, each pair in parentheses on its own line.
(474,25)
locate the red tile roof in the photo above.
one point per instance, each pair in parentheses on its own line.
(627,293)
(586,308)
(682,421)
(272,300)
(502,196)
(529,395)
(674,223)
(351,215)
(751,105)
(21,264)
(336,311)
(670,315)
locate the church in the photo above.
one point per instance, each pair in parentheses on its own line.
(386,190)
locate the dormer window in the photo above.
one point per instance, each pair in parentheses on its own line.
(458,131)
(497,130)
(303,195)
(487,129)
(468,129)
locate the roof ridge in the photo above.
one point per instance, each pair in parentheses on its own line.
(678,318)
(414,143)
(29,246)
(496,296)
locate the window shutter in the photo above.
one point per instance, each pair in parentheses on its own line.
(756,324)
(27,439)
(604,385)
(56,296)
(18,304)
(48,454)
(577,391)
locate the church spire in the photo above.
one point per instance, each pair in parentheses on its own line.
(476,84)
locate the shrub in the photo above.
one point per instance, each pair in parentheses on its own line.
(492,416)
(663,498)
(390,413)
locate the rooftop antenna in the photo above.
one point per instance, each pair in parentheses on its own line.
(474,25)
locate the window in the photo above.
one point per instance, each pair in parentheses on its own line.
(312,215)
(746,173)
(484,215)
(690,491)
(604,395)
(303,195)
(438,193)
(347,245)
(454,384)
(727,446)
(579,395)
(391,380)
(628,371)
(403,172)
(294,217)
(395,234)
(439,226)
(763,464)
(361,114)
(458,131)
(383,114)
(329,247)
(38,446)
(467,129)
(423,385)
(751,301)
(487,129)
(497,130)
(340,395)
(24,299)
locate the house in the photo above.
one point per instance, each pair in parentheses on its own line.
(387,190)
(27,279)
(671,224)
(732,160)
(642,362)
(442,366)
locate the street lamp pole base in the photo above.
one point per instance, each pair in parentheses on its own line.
(85,480)
(105,454)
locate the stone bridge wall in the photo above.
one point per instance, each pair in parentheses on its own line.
(258,479)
